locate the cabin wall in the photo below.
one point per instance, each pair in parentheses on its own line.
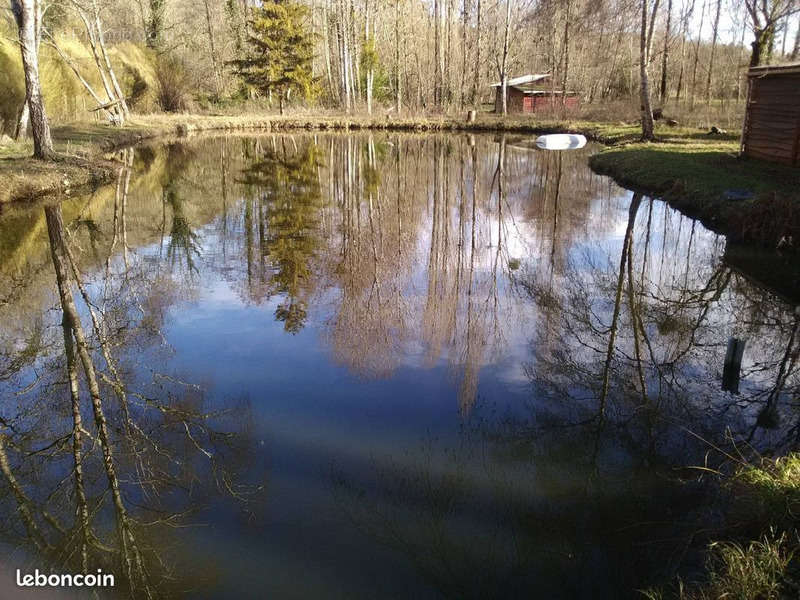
(518,102)
(772,130)
(515,101)
(534,104)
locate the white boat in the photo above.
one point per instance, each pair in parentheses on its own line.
(561,141)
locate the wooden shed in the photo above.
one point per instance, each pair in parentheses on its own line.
(772,118)
(525,96)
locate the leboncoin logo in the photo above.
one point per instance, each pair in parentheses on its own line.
(37,579)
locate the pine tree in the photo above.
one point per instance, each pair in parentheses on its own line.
(281,50)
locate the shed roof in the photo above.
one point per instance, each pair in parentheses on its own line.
(523,80)
(785,69)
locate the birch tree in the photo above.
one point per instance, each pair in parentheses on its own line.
(504,64)
(28,15)
(645,39)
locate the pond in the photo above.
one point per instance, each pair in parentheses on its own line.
(374,366)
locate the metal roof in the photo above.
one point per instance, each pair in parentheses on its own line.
(522,80)
(784,69)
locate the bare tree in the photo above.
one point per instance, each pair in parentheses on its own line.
(645,40)
(504,64)
(714,36)
(764,16)
(28,15)
(665,52)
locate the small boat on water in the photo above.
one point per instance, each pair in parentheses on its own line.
(561,141)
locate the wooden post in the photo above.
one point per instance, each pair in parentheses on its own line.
(746,124)
(733,365)
(471,116)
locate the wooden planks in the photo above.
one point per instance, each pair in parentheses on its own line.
(772,124)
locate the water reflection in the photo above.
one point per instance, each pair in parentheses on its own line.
(489,342)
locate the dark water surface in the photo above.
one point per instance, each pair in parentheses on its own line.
(373,366)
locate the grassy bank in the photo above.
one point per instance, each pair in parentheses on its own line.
(751,201)
(83,145)
(755,554)
(687,167)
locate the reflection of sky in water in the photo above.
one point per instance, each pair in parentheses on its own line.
(420,356)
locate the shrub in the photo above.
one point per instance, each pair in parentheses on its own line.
(173,84)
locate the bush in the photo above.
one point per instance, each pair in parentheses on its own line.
(173,84)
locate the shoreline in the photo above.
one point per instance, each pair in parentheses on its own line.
(687,169)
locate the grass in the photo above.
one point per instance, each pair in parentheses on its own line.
(761,558)
(696,172)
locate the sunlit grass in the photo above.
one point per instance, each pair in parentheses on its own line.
(764,498)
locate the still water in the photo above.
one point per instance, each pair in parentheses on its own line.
(373,366)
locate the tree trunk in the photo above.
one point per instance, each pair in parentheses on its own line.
(437,54)
(504,67)
(565,70)
(796,49)
(679,87)
(212,47)
(28,14)
(119,116)
(23,121)
(369,47)
(370,79)
(102,42)
(714,35)
(665,55)
(326,42)
(71,64)
(398,92)
(464,29)
(697,54)
(476,81)
(644,87)
(761,44)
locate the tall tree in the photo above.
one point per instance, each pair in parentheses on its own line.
(154,26)
(476,80)
(28,15)
(764,17)
(281,50)
(504,63)
(665,52)
(565,53)
(714,36)
(398,83)
(645,39)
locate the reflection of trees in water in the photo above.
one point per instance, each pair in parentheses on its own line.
(419,252)
(406,240)
(646,337)
(286,201)
(102,468)
(184,245)
(579,498)
(570,512)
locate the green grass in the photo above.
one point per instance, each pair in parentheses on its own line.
(760,559)
(704,168)
(695,171)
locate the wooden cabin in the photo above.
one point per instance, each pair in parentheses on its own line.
(532,93)
(771,128)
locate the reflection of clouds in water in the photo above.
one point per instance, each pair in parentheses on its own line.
(396,311)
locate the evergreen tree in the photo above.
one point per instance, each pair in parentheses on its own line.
(281,50)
